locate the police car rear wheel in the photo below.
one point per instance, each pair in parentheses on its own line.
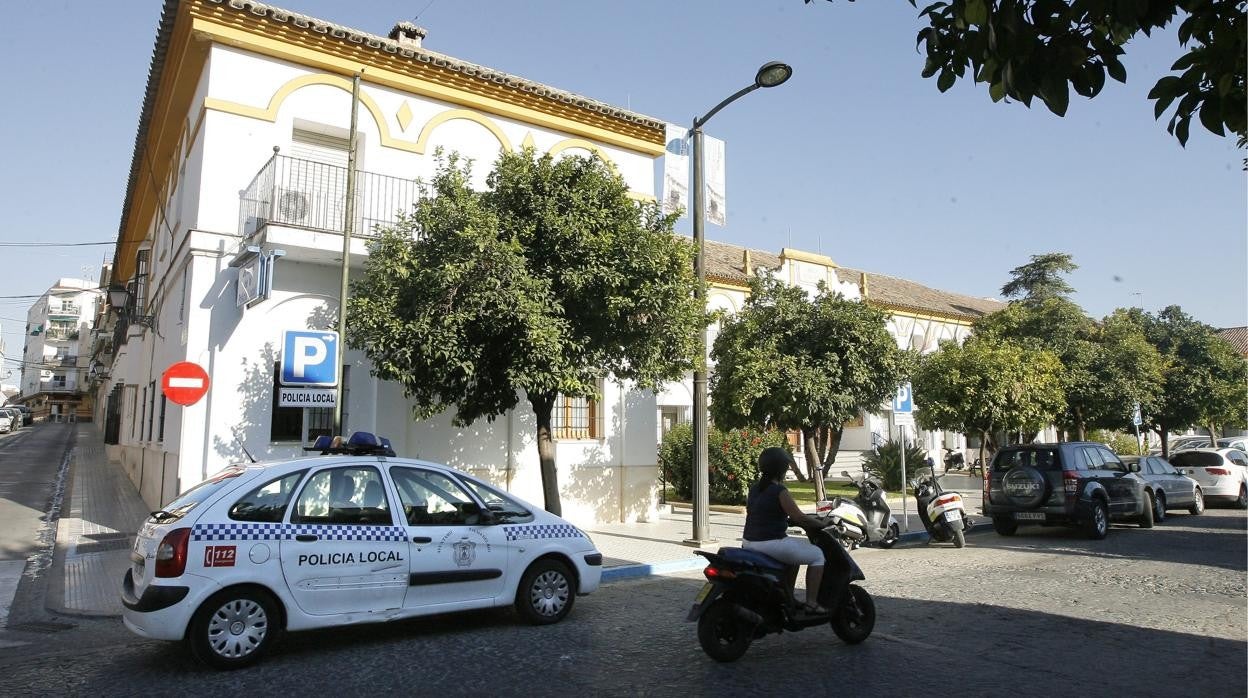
(233,628)
(546,594)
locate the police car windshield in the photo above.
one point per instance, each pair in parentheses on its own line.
(503,506)
(193,497)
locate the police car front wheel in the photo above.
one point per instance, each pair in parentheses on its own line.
(546,592)
(234,628)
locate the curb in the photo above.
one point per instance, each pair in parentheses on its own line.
(914,538)
(622,572)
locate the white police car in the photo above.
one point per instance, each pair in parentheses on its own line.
(351,536)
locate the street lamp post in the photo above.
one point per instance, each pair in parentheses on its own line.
(769,75)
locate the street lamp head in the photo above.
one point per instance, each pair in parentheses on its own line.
(773,74)
(118,296)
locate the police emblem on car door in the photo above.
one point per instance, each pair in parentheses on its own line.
(457,553)
(341,551)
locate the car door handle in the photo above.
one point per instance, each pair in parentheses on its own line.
(422,539)
(307,537)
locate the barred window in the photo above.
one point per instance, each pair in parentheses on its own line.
(576,418)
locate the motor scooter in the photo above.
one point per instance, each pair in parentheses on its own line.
(748,595)
(866,518)
(954,460)
(942,512)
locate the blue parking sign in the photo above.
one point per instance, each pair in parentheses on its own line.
(310,358)
(903,401)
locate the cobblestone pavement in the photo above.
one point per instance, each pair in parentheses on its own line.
(1142,613)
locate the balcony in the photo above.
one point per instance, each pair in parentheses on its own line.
(60,335)
(55,386)
(65,311)
(305,195)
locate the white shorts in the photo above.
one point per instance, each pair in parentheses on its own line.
(789,550)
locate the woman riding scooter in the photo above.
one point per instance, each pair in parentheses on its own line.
(768,510)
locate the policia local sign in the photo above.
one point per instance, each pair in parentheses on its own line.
(309,369)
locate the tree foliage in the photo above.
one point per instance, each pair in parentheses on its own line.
(542,284)
(1041,278)
(987,385)
(1027,49)
(1204,380)
(790,361)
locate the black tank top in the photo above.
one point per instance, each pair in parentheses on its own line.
(764,517)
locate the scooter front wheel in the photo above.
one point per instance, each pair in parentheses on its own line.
(959,536)
(723,635)
(855,619)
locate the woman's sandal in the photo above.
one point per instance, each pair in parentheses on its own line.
(813,609)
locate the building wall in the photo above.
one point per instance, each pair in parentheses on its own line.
(244,106)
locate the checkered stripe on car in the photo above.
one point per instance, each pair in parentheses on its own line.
(543,531)
(240,531)
(259,531)
(343,532)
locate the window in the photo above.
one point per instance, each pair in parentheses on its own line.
(267,503)
(1111,461)
(164,402)
(302,424)
(1195,459)
(576,417)
(351,495)
(151,409)
(138,287)
(1093,458)
(503,507)
(1042,459)
(433,499)
(1237,458)
(143,416)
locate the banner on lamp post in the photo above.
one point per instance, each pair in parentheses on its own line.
(716,206)
(676,171)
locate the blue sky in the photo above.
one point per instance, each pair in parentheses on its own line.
(856,156)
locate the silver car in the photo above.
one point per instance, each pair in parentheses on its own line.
(9,420)
(1171,488)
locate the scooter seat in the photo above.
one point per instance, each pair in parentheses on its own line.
(751,557)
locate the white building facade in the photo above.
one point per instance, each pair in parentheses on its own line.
(244,127)
(920,318)
(57,338)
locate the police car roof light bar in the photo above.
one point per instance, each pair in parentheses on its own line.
(361,443)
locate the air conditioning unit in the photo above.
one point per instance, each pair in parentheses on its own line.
(293,206)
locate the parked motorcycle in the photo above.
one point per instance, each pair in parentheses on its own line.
(954,459)
(748,595)
(866,518)
(942,511)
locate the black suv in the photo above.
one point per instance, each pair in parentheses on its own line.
(1079,483)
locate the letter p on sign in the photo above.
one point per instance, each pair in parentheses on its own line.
(309,358)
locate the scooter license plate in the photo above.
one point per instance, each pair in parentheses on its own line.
(704,592)
(953,515)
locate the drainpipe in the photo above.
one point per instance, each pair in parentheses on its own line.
(623,440)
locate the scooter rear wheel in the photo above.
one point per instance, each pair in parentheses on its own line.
(723,636)
(890,538)
(855,619)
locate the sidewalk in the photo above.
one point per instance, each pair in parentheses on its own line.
(103,511)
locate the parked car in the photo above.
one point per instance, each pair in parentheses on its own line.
(12,418)
(1221,472)
(1077,483)
(28,417)
(1183,443)
(354,535)
(1171,489)
(6,424)
(1240,442)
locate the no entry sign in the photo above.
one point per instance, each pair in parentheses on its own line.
(184,383)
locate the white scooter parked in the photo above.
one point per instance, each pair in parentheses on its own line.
(866,518)
(942,512)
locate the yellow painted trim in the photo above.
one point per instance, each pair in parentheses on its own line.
(420,79)
(567,143)
(638,196)
(528,141)
(723,285)
(801,256)
(906,312)
(422,142)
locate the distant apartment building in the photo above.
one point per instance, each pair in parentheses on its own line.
(58,331)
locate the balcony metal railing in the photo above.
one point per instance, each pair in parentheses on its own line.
(308,194)
(65,311)
(51,386)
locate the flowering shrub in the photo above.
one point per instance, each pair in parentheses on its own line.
(732,460)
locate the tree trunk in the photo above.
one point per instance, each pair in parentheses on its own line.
(1213,437)
(813,466)
(1162,430)
(542,406)
(797,473)
(834,448)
